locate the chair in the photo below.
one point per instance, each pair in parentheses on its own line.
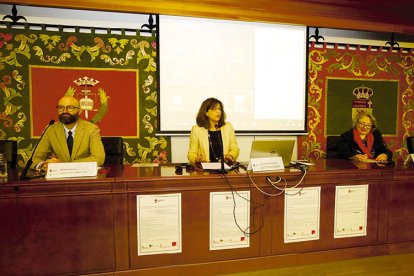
(332,142)
(114,150)
(9,149)
(410,144)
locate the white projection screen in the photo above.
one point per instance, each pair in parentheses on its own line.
(257,70)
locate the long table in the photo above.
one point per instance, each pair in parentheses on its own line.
(89,226)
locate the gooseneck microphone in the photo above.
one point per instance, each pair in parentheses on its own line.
(222,169)
(30,161)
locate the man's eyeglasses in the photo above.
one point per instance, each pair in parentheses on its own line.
(365,125)
(69,108)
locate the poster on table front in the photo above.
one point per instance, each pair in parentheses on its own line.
(159,226)
(229,219)
(351,207)
(302,214)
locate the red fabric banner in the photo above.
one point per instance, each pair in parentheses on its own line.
(114,96)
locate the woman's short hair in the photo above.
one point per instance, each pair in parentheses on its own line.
(210,103)
(360,115)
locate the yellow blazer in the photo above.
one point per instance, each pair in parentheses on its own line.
(199,144)
(87,144)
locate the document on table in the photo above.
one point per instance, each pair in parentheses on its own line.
(145,165)
(228,212)
(214,166)
(368,160)
(159,226)
(351,207)
(302,214)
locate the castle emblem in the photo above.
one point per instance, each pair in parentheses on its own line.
(92,102)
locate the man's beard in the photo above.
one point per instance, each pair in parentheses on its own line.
(66,118)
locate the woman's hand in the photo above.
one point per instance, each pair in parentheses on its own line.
(382,157)
(229,159)
(197,163)
(199,159)
(359,157)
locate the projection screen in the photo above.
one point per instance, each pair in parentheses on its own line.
(258,71)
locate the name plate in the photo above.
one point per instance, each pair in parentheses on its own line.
(266,164)
(71,169)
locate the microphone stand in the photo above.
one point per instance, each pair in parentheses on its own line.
(24,176)
(222,169)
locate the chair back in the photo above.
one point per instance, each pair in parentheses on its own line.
(9,149)
(114,150)
(332,146)
(410,144)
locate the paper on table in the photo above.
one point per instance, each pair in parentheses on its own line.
(305,162)
(368,160)
(213,166)
(145,165)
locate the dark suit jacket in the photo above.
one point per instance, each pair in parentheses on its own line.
(348,147)
(87,144)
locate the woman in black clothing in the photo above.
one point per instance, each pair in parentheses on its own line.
(364,140)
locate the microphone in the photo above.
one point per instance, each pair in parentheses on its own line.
(30,161)
(222,170)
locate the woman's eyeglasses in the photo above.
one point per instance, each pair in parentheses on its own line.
(365,125)
(69,108)
(216,108)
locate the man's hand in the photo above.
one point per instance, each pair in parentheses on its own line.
(52,159)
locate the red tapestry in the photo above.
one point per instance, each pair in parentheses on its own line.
(359,63)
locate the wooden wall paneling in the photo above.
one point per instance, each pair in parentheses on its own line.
(57,234)
(383,206)
(267,216)
(401,215)
(90,226)
(121,231)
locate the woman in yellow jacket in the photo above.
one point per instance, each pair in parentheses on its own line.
(212,137)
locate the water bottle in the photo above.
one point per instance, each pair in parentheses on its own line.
(3,166)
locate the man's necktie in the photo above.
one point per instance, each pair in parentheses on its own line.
(70,142)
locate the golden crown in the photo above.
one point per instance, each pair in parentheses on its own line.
(85,81)
(363,92)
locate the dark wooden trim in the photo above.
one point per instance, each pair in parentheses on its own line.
(380,15)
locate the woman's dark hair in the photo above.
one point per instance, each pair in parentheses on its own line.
(210,103)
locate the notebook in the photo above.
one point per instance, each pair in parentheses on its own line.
(272,148)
